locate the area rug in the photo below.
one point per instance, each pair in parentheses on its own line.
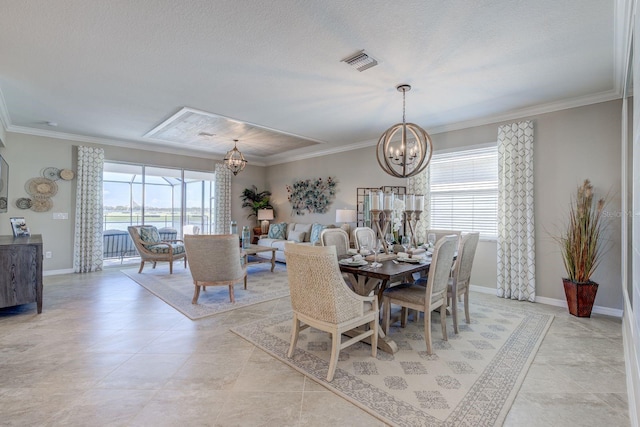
(177,289)
(471,379)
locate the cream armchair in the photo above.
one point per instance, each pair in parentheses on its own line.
(321,299)
(214,260)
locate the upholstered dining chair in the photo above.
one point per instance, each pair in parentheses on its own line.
(364,236)
(214,260)
(421,298)
(152,248)
(321,299)
(459,282)
(335,237)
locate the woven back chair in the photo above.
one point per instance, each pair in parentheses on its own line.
(321,299)
(425,298)
(214,260)
(364,236)
(459,281)
(152,248)
(335,237)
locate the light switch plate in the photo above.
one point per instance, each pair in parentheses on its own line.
(60,215)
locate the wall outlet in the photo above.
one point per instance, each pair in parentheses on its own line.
(60,215)
(47,254)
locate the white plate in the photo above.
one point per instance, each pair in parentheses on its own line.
(413,260)
(353,263)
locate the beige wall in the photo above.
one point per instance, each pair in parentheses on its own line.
(27,155)
(570,145)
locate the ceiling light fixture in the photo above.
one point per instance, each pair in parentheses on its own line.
(234,160)
(404,149)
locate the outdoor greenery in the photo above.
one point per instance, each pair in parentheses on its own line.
(582,241)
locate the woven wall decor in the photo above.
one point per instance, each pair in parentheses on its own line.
(311,195)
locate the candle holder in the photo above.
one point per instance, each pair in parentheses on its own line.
(384,215)
(412,218)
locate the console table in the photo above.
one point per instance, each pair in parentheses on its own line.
(21,270)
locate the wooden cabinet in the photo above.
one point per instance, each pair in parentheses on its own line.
(21,270)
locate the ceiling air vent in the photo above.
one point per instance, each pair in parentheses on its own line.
(361,61)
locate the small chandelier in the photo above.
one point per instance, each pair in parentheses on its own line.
(404,149)
(234,160)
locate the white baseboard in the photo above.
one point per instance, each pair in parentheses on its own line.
(57,272)
(614,312)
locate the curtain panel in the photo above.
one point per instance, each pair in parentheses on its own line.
(420,184)
(516,239)
(222,192)
(87,247)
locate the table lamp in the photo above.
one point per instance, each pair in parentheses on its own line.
(346,216)
(265,215)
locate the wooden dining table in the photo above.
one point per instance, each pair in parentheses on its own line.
(367,279)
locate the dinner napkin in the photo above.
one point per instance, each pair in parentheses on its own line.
(420,255)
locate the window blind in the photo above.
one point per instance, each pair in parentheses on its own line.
(464,191)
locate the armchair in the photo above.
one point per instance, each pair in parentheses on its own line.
(214,260)
(151,248)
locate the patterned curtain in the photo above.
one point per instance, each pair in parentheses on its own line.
(87,248)
(222,191)
(516,240)
(420,184)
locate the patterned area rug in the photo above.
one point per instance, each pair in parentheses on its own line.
(177,289)
(471,379)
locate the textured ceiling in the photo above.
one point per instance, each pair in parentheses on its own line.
(113,71)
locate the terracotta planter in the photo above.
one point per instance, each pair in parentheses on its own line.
(580,297)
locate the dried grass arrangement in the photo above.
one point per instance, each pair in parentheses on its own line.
(582,242)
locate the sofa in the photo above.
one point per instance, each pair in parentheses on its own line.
(279,234)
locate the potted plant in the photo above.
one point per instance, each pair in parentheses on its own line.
(581,245)
(255,200)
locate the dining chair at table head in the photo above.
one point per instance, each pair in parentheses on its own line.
(425,298)
(214,260)
(321,299)
(335,237)
(364,236)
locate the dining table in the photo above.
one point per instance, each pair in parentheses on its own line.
(366,279)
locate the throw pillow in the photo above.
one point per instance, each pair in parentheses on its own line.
(297,236)
(149,234)
(316,229)
(276,231)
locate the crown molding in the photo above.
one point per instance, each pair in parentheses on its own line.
(605,96)
(497,118)
(120,143)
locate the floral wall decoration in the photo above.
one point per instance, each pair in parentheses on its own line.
(311,195)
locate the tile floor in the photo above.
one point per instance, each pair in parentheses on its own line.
(107,352)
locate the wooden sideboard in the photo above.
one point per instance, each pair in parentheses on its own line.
(21,270)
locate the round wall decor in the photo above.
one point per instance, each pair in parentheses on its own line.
(23,203)
(41,204)
(41,187)
(67,174)
(51,173)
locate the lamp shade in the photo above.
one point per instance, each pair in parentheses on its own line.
(345,215)
(265,214)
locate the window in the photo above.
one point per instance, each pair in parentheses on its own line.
(464,191)
(164,197)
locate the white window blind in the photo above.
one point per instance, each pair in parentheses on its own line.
(464,191)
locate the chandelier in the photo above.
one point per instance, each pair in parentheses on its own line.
(234,160)
(404,149)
